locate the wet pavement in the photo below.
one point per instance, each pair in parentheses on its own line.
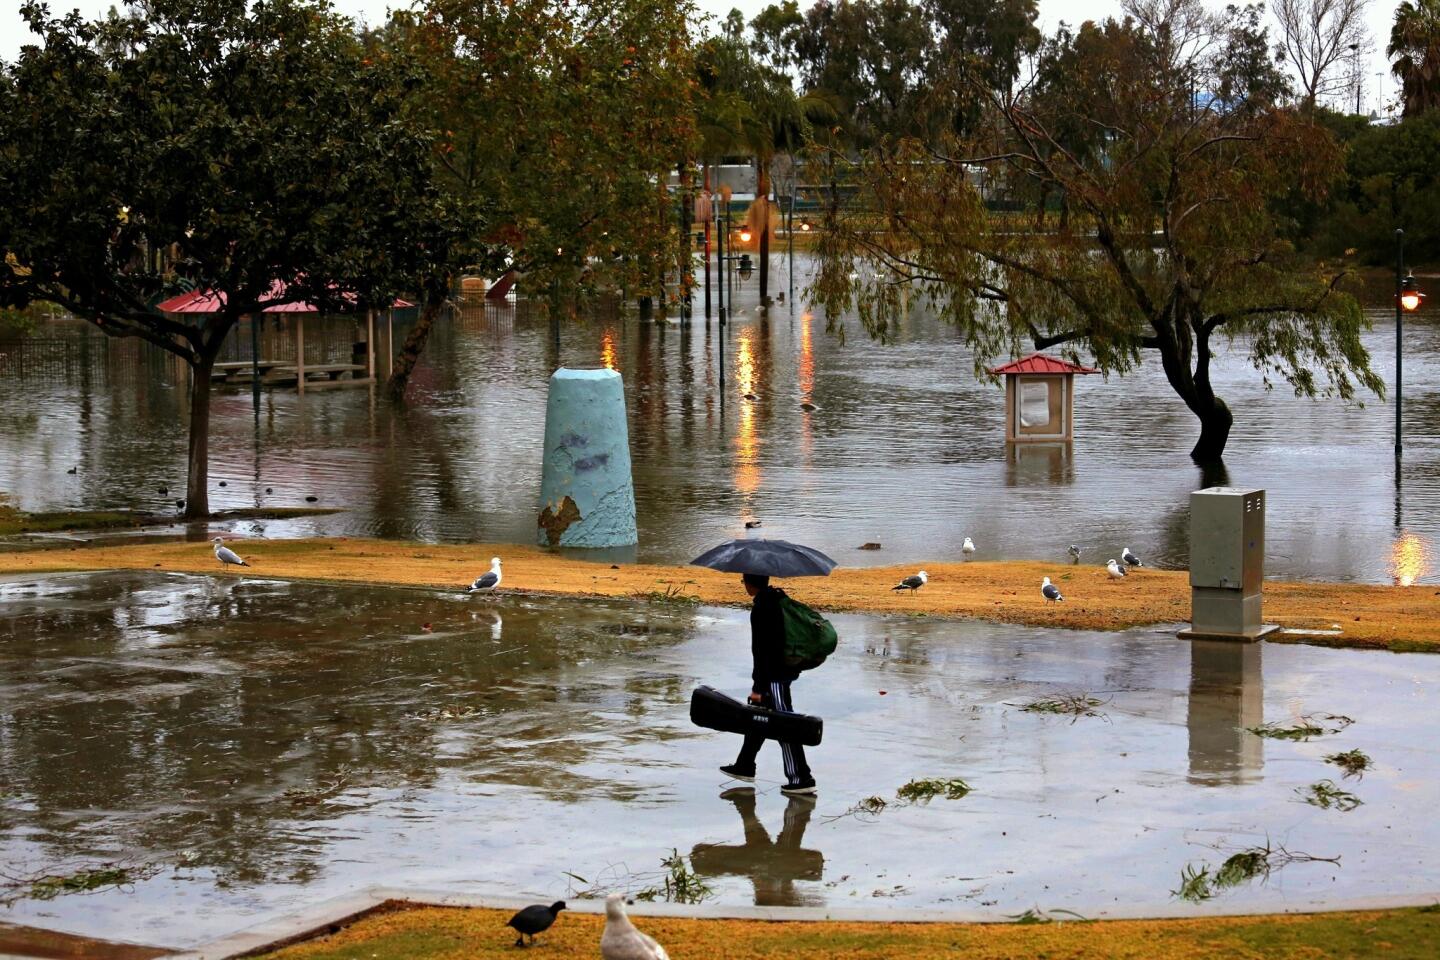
(903,446)
(250,746)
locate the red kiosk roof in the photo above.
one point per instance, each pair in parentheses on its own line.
(1039,363)
(208,301)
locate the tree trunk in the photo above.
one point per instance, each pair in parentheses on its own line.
(436,292)
(197,482)
(1215,426)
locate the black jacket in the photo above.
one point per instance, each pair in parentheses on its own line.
(767,643)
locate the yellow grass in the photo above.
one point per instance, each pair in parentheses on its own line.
(1399,618)
(435,933)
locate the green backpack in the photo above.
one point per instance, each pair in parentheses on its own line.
(809,637)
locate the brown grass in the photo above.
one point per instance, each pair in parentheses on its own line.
(438,933)
(1399,618)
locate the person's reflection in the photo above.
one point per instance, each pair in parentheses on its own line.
(1227,695)
(773,866)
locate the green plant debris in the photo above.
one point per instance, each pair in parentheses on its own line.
(1325,794)
(1073,705)
(1035,915)
(444,714)
(322,791)
(923,791)
(1353,762)
(1302,728)
(680,884)
(1201,883)
(90,879)
(673,594)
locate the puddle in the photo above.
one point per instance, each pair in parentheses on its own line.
(256,746)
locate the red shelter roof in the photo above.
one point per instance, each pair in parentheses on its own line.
(210,301)
(1039,363)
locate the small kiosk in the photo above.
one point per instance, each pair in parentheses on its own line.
(1040,399)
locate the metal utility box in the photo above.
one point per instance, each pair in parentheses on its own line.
(1227,564)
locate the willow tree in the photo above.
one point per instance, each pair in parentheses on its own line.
(234,146)
(1177,167)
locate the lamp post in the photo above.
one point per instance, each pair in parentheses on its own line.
(790,242)
(1407,300)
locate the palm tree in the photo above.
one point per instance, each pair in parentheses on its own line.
(1415,48)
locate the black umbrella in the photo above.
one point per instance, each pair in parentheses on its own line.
(766,558)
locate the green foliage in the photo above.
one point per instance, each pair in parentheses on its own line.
(1174,211)
(1391,180)
(1201,883)
(212,144)
(680,884)
(1414,50)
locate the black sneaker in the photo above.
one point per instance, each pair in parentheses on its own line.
(736,772)
(804,788)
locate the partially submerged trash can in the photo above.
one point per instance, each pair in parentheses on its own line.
(1227,564)
(587,496)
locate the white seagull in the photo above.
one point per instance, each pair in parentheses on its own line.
(1049,591)
(968,547)
(1129,558)
(1114,569)
(487,582)
(912,583)
(226,556)
(621,941)
(1074,553)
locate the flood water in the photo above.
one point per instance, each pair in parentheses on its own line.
(904,447)
(249,746)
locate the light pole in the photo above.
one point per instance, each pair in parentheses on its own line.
(1407,300)
(790,242)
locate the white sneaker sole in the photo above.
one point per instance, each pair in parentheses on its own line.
(800,791)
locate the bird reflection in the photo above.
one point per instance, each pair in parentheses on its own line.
(1227,694)
(773,866)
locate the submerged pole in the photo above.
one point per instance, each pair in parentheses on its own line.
(587,494)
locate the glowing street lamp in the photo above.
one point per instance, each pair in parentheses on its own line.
(1410,295)
(744,234)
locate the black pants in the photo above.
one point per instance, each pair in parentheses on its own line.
(793,754)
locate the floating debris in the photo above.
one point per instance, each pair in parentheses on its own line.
(1302,728)
(90,879)
(1035,915)
(679,885)
(923,791)
(323,791)
(1200,884)
(1325,794)
(442,714)
(673,594)
(1075,705)
(1353,762)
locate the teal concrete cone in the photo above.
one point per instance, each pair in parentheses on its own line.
(587,496)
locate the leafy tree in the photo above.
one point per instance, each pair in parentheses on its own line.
(213,144)
(1175,244)
(1415,48)
(561,122)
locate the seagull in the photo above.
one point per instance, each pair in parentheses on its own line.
(912,583)
(968,547)
(1115,570)
(1049,591)
(752,529)
(534,919)
(621,941)
(225,555)
(1074,553)
(487,582)
(1129,558)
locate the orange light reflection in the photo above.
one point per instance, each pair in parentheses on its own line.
(608,355)
(747,444)
(1409,559)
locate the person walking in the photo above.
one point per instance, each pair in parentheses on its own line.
(770,679)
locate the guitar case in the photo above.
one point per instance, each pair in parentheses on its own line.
(714,710)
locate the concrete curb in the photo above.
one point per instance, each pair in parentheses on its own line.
(329,915)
